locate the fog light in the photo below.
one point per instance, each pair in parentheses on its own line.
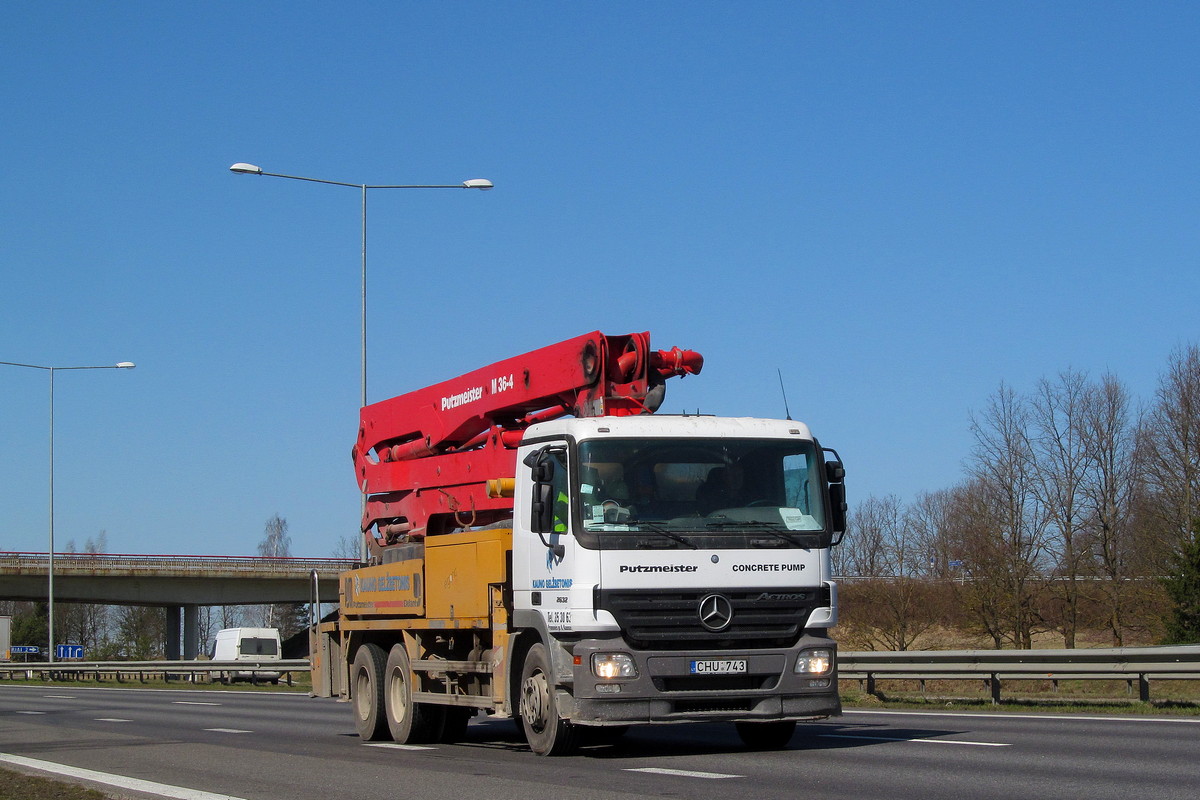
(613,665)
(608,688)
(814,662)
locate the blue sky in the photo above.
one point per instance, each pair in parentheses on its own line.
(897,205)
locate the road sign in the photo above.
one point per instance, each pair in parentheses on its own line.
(68,651)
(25,648)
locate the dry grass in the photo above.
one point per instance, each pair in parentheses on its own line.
(19,786)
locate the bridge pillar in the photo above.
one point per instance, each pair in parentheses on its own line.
(191,632)
(172,632)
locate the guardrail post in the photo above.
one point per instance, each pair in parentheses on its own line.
(1144,687)
(870,683)
(995,682)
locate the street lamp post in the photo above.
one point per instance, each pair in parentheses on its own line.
(50,563)
(482,184)
(477,183)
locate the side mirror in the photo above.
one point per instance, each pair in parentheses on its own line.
(837,510)
(542,509)
(834,471)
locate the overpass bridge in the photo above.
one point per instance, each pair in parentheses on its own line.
(181,584)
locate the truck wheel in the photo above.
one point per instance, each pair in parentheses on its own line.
(773,735)
(546,732)
(408,722)
(366,681)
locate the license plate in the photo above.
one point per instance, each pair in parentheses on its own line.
(723,667)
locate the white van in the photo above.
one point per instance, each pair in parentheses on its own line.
(247,644)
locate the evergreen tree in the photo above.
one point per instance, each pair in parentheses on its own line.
(1183,587)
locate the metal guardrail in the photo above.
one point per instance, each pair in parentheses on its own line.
(140,671)
(1141,664)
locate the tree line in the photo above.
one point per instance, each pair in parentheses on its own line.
(1078,512)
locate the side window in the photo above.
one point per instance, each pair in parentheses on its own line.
(796,482)
(558,483)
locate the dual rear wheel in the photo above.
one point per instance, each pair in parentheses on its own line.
(382,685)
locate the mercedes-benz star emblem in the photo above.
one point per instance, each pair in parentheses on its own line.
(716,612)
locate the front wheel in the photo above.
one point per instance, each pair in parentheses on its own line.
(546,732)
(773,735)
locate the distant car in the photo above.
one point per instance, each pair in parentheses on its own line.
(247,644)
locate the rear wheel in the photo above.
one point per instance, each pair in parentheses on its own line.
(773,735)
(366,678)
(408,722)
(546,732)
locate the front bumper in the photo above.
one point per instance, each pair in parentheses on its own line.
(665,690)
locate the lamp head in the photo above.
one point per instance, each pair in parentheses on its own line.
(246,169)
(126,365)
(476,183)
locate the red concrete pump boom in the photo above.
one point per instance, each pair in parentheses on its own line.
(434,459)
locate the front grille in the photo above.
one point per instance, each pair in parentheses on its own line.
(671,619)
(695,706)
(715,683)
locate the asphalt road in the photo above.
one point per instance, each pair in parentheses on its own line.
(266,746)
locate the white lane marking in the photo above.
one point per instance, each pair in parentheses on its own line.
(31,712)
(985,715)
(120,781)
(111,719)
(394,746)
(192,703)
(227,730)
(60,696)
(684,773)
(910,739)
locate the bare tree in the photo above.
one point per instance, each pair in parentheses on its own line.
(1170,443)
(1058,449)
(276,543)
(1110,447)
(894,605)
(347,546)
(865,551)
(85,624)
(930,519)
(1008,523)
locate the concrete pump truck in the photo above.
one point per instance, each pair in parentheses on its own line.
(542,546)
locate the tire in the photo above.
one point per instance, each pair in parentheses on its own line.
(366,682)
(766,735)
(546,732)
(407,722)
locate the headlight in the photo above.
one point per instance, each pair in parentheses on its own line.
(814,662)
(613,665)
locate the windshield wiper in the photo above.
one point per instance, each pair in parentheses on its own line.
(769,527)
(669,534)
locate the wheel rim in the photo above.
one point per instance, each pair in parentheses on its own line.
(535,701)
(396,695)
(362,694)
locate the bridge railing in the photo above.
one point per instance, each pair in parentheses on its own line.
(134,561)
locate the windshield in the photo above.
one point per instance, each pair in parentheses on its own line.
(696,490)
